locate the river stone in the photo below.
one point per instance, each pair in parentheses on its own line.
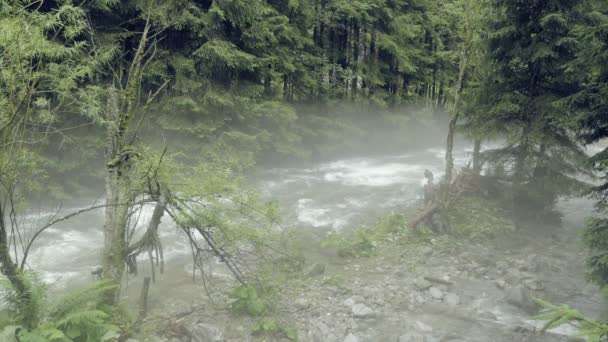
(533,284)
(411,337)
(203,332)
(362,311)
(316,270)
(423,327)
(302,303)
(426,251)
(351,338)
(452,299)
(500,283)
(422,284)
(348,302)
(436,293)
(518,296)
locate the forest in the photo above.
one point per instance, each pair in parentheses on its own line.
(303,170)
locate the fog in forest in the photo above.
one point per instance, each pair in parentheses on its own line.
(317,171)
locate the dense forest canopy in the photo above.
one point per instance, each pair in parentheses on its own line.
(169,102)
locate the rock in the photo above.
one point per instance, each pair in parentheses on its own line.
(518,296)
(411,337)
(422,284)
(452,299)
(348,302)
(500,283)
(316,270)
(436,293)
(131,340)
(512,276)
(533,284)
(427,251)
(423,327)
(302,303)
(362,311)
(203,332)
(351,338)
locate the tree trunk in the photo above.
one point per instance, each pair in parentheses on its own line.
(7,266)
(449,158)
(477,157)
(117,200)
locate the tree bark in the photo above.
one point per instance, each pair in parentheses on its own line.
(477,157)
(7,266)
(117,200)
(449,158)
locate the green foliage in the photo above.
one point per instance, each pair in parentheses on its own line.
(557,315)
(78,316)
(478,218)
(363,242)
(274,328)
(255,301)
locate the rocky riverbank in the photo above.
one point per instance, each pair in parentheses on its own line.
(432,289)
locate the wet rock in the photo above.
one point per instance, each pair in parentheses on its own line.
(500,283)
(422,284)
(436,293)
(348,302)
(203,332)
(423,327)
(302,303)
(512,276)
(426,251)
(519,297)
(316,270)
(411,337)
(452,299)
(362,311)
(533,284)
(351,338)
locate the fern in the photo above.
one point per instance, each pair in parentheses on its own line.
(79,316)
(557,315)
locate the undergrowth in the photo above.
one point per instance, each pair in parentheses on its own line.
(79,316)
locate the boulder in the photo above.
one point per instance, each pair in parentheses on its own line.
(203,332)
(422,284)
(362,311)
(519,297)
(436,293)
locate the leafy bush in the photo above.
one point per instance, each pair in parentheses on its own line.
(273,327)
(254,301)
(79,316)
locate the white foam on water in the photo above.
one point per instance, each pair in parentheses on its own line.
(307,213)
(362,172)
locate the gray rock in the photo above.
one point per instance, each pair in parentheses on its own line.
(362,311)
(302,303)
(348,302)
(513,276)
(422,284)
(518,296)
(426,251)
(500,283)
(411,337)
(533,284)
(316,270)
(436,293)
(203,332)
(351,338)
(452,299)
(131,340)
(423,327)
